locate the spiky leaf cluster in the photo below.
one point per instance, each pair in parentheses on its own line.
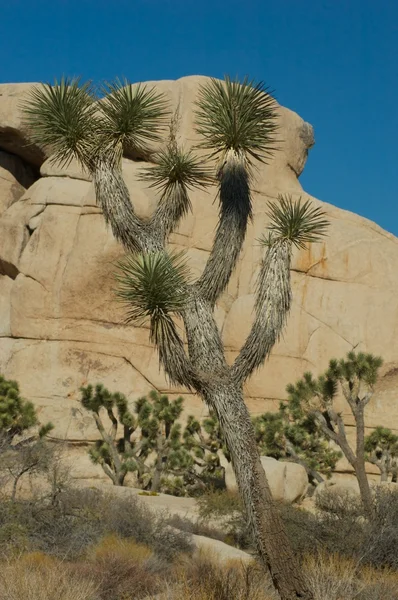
(355,376)
(151,441)
(357,367)
(61,117)
(157,417)
(154,286)
(382,439)
(132,117)
(295,221)
(236,116)
(203,440)
(176,171)
(16,414)
(93,398)
(69,122)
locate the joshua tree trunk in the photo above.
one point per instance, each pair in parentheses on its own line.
(272,544)
(339,437)
(360,465)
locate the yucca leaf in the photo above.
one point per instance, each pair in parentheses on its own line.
(295,221)
(175,173)
(153,285)
(61,117)
(236,116)
(132,116)
(176,167)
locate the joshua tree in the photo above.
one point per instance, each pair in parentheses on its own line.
(297,438)
(237,123)
(22,449)
(147,441)
(355,376)
(150,442)
(16,414)
(381,448)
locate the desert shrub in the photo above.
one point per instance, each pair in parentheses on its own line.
(380,546)
(205,578)
(123,568)
(80,519)
(332,577)
(338,526)
(343,527)
(224,510)
(20,580)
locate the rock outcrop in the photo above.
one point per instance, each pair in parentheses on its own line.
(60,326)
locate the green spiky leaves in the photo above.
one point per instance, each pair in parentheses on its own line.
(67,120)
(236,116)
(175,173)
(357,366)
(176,167)
(132,117)
(61,118)
(154,286)
(295,221)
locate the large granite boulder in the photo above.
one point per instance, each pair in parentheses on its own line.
(288,481)
(61,327)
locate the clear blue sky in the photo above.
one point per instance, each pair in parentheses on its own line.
(335,62)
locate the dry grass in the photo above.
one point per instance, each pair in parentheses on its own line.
(113,547)
(42,580)
(117,569)
(204,577)
(332,577)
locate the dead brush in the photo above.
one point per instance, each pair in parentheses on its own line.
(37,579)
(333,577)
(123,569)
(204,577)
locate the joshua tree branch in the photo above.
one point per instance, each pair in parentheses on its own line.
(311,472)
(235,211)
(272,306)
(337,438)
(114,424)
(114,199)
(108,440)
(168,213)
(172,355)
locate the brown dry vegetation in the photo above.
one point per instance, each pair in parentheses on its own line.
(90,546)
(116,570)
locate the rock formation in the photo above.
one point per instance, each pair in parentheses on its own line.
(60,326)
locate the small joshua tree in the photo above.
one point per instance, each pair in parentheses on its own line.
(116,455)
(297,438)
(16,415)
(237,124)
(147,441)
(22,447)
(381,448)
(355,377)
(161,437)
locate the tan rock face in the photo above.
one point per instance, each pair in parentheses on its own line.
(61,326)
